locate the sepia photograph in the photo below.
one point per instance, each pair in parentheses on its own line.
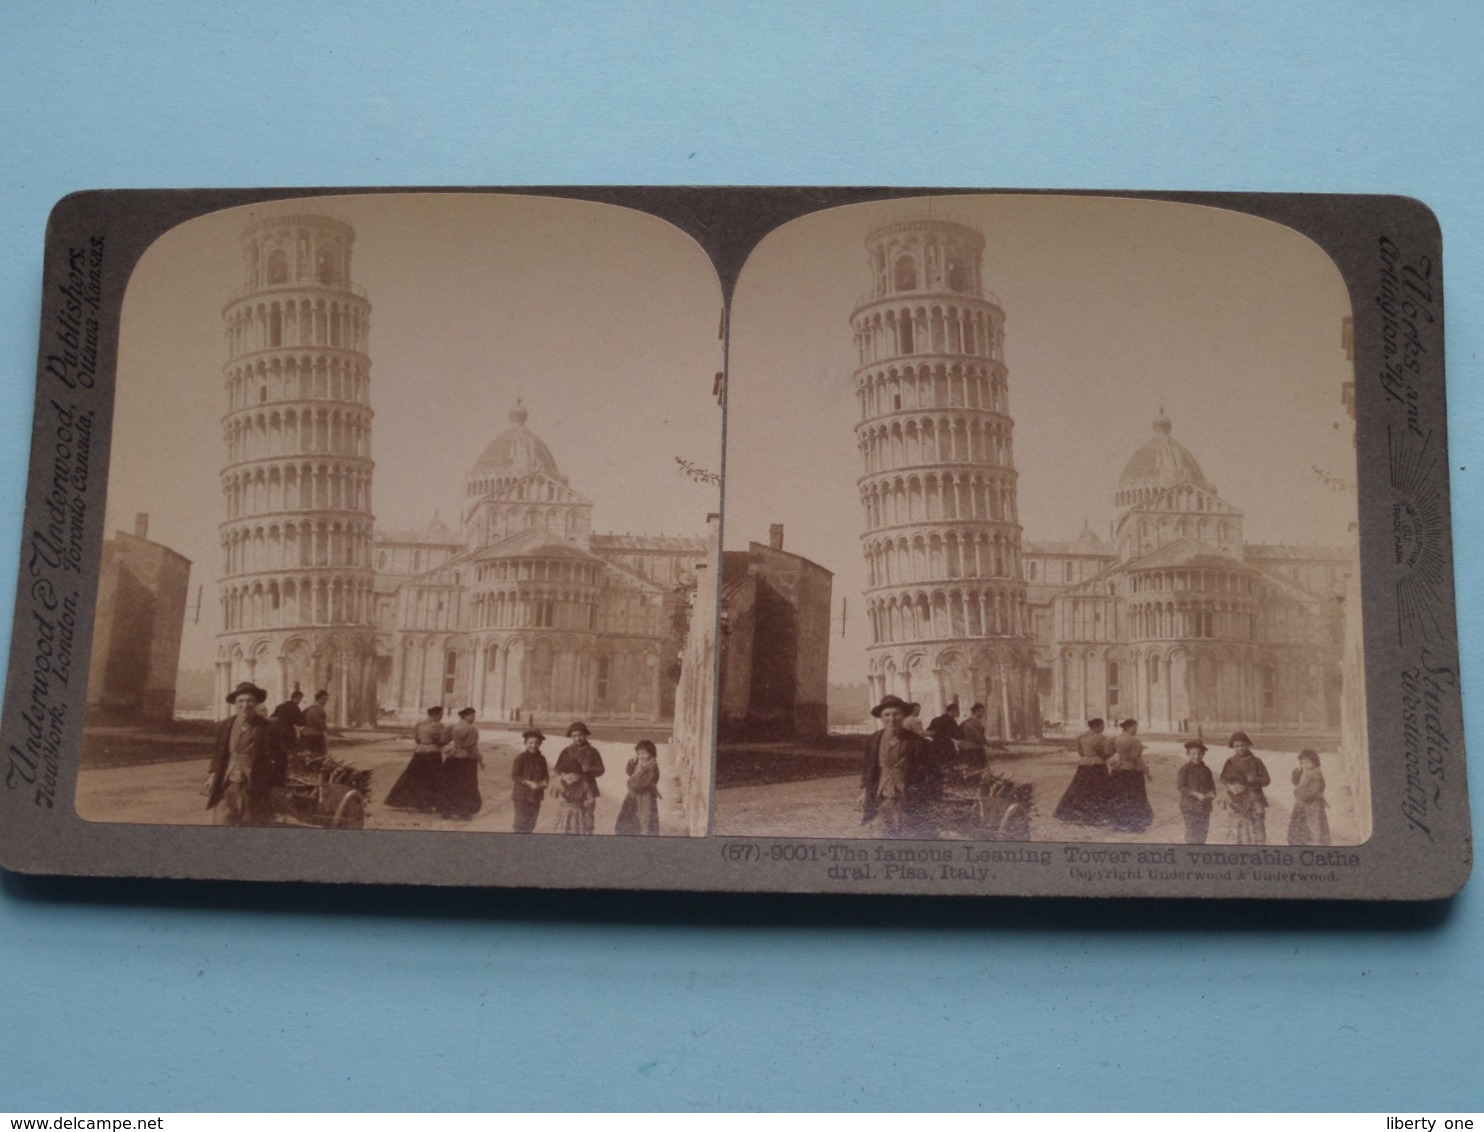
(861,540)
(1041,526)
(433,546)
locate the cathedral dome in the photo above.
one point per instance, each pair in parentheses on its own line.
(514,454)
(1162,462)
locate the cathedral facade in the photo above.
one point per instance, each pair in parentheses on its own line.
(525,610)
(1180,622)
(521,610)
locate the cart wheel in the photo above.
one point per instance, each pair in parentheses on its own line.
(1016,824)
(351,813)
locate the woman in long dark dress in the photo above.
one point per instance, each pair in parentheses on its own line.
(1086,799)
(421,783)
(640,812)
(1128,796)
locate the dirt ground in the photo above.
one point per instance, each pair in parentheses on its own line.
(161,778)
(826,806)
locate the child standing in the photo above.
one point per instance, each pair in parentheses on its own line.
(1197,791)
(1243,778)
(575,801)
(640,812)
(1309,824)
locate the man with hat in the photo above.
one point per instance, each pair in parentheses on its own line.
(943,734)
(291,710)
(891,769)
(530,776)
(582,759)
(249,761)
(1197,792)
(975,744)
(316,724)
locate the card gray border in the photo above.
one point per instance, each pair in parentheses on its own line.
(1401,433)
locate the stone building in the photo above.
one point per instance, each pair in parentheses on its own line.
(1178,620)
(521,610)
(945,594)
(297,578)
(525,610)
(142,592)
(776,643)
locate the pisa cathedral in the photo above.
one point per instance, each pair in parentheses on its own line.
(522,610)
(1176,620)
(1179,621)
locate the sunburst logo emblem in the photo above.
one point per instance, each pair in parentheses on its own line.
(1419,536)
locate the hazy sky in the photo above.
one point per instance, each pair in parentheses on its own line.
(1113,309)
(604,320)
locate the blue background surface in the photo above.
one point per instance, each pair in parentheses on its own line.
(143,996)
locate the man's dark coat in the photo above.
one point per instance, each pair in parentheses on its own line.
(270,768)
(871,770)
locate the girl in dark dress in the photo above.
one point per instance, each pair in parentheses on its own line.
(640,812)
(1086,799)
(421,783)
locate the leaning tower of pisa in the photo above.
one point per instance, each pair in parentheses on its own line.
(296,585)
(945,594)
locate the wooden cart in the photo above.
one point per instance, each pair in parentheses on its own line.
(983,806)
(327,805)
(1004,808)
